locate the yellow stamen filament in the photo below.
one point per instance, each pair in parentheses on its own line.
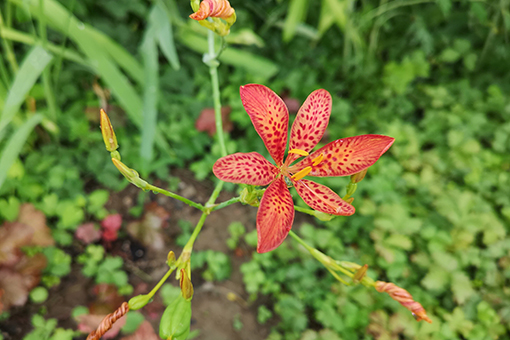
(304,172)
(299,152)
(317,160)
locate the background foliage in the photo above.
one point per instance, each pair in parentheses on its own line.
(432,215)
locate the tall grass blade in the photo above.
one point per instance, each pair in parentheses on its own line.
(296,14)
(31,68)
(149,51)
(163,28)
(14,145)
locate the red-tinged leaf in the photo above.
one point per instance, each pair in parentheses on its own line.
(36,220)
(87,233)
(144,332)
(13,236)
(311,122)
(346,156)
(248,168)
(275,216)
(322,198)
(112,222)
(147,229)
(269,116)
(206,121)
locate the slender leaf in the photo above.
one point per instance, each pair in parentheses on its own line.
(16,142)
(149,53)
(163,28)
(31,68)
(296,14)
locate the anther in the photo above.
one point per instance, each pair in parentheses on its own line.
(299,152)
(317,160)
(304,172)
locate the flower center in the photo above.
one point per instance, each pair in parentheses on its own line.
(306,170)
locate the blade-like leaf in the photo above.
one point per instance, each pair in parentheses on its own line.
(31,68)
(14,145)
(149,53)
(248,168)
(160,18)
(346,156)
(275,216)
(269,116)
(296,14)
(322,198)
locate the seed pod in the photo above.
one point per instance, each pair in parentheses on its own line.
(175,321)
(138,302)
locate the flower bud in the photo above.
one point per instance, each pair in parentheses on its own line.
(216,10)
(138,301)
(360,274)
(110,141)
(130,174)
(175,321)
(170,259)
(356,178)
(249,197)
(186,285)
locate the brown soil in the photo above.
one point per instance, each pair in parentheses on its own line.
(213,313)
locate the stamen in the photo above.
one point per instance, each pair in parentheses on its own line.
(317,160)
(302,173)
(299,152)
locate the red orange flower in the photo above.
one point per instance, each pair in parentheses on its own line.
(342,157)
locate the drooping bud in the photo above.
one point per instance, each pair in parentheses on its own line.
(110,141)
(139,301)
(360,274)
(186,285)
(356,178)
(130,174)
(403,297)
(176,320)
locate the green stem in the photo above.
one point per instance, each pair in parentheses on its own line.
(189,245)
(177,197)
(215,194)
(213,70)
(305,210)
(160,283)
(226,203)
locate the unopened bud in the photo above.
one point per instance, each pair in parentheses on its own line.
(176,320)
(356,178)
(350,200)
(170,259)
(215,10)
(360,274)
(130,174)
(110,141)
(248,196)
(138,302)
(186,285)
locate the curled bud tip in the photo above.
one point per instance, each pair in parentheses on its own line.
(403,297)
(129,173)
(214,9)
(186,286)
(110,141)
(170,258)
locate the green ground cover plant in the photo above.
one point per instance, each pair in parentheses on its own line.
(432,215)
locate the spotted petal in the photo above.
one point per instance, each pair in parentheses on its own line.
(311,122)
(346,156)
(248,168)
(269,116)
(322,198)
(275,216)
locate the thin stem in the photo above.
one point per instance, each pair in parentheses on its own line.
(189,245)
(226,203)
(177,197)
(215,194)
(160,283)
(213,70)
(305,210)
(300,241)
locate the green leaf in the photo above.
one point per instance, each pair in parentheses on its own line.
(399,241)
(296,14)
(161,20)
(31,68)
(14,145)
(461,287)
(133,321)
(9,209)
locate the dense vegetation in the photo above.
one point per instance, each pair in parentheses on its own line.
(433,214)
